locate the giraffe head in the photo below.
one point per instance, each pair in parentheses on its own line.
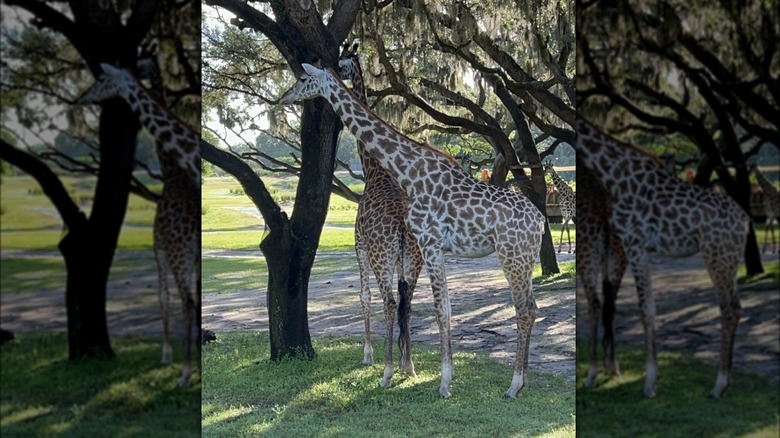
(349,64)
(548,166)
(312,83)
(112,83)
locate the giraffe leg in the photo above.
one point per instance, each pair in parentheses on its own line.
(568,234)
(188,307)
(640,267)
(723,272)
(365,299)
(434,264)
(560,241)
(185,271)
(411,264)
(519,271)
(385,280)
(615,268)
(164,298)
(588,276)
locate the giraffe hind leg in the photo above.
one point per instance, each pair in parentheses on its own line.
(518,272)
(164,298)
(723,273)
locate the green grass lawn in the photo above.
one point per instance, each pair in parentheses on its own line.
(750,407)
(244,394)
(45,395)
(30,221)
(616,407)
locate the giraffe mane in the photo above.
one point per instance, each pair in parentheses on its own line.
(624,144)
(443,154)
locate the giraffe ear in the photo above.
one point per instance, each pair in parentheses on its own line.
(311,70)
(109,69)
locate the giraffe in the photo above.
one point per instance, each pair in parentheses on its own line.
(599,253)
(771,207)
(448,212)
(177,218)
(653,212)
(567,202)
(382,242)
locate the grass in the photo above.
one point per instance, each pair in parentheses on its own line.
(30,221)
(616,407)
(48,273)
(45,395)
(222,275)
(244,394)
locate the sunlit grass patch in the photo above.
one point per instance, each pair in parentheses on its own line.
(245,395)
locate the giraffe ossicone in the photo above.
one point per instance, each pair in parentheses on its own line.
(448,211)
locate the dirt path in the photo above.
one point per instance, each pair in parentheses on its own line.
(482,312)
(688,317)
(481,308)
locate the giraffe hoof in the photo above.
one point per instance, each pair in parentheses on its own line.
(386,383)
(649,392)
(184,382)
(445,392)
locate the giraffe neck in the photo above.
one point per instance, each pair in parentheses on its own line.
(559,183)
(372,171)
(396,153)
(176,142)
(614,162)
(766,186)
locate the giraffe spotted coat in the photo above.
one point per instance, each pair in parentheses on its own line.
(653,212)
(448,212)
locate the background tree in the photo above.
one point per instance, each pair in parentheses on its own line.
(701,74)
(49,49)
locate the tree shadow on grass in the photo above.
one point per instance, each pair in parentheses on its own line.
(617,407)
(43,394)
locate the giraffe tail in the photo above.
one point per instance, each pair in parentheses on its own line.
(404,306)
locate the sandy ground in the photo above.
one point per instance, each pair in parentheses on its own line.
(688,317)
(482,313)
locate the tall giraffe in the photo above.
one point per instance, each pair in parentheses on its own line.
(567,202)
(771,207)
(599,254)
(448,212)
(653,212)
(382,242)
(177,218)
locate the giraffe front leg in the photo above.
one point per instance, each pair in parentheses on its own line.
(518,272)
(434,263)
(189,326)
(723,274)
(164,298)
(615,267)
(644,290)
(365,300)
(594,313)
